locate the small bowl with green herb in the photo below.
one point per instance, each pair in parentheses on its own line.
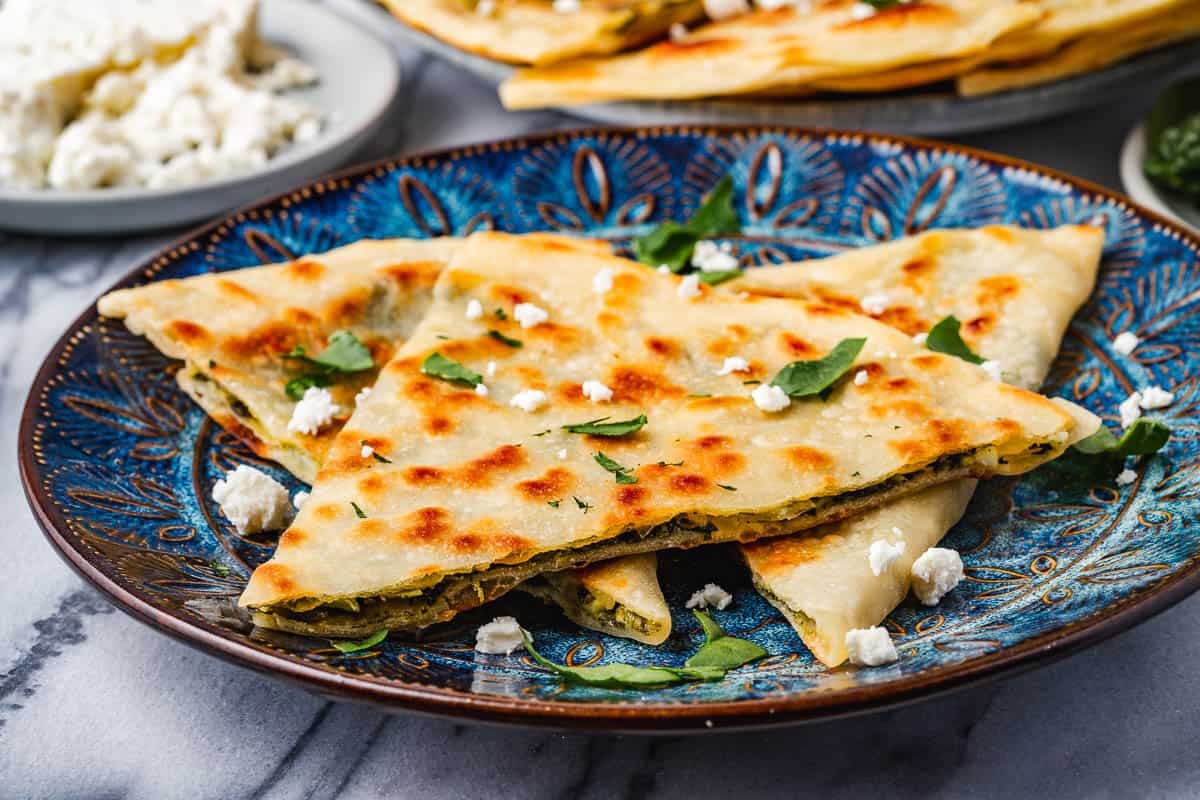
(1160,160)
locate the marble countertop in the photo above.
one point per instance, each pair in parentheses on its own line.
(96,705)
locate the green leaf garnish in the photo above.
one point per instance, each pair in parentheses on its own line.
(344,353)
(599,427)
(374,454)
(553,503)
(727,487)
(502,339)
(620,473)
(879,5)
(808,378)
(437,365)
(1102,455)
(499,312)
(296,387)
(721,651)
(364,644)
(358,512)
(944,338)
(582,505)
(672,244)
(714,278)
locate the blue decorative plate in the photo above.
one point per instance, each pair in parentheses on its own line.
(118,464)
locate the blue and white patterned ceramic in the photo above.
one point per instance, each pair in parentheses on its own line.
(119,464)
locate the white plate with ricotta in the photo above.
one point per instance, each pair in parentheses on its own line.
(357,78)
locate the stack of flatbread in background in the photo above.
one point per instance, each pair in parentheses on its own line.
(582,52)
(476,496)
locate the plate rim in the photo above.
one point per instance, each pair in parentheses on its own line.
(651,717)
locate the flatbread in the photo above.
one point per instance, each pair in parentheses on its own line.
(769,50)
(231,330)
(1023,286)
(1086,54)
(463,511)
(532,32)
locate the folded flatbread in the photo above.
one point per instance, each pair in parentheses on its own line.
(1017,291)
(478,495)
(783,49)
(533,32)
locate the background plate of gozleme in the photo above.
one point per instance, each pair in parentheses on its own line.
(119,464)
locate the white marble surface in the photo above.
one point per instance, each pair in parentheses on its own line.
(95,705)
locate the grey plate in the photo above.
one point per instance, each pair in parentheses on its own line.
(932,112)
(1139,187)
(359,78)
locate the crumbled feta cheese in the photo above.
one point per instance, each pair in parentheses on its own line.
(501,636)
(562,454)
(485,8)
(530,315)
(490,369)
(596,391)
(882,554)
(870,647)
(362,395)
(875,304)
(861,11)
(726,9)
(935,573)
(663,269)
(734,364)
(861,377)
(602,281)
(481,390)
(367,451)
(1126,342)
(566,6)
(252,500)
(474,309)
(920,338)
(1130,409)
(711,257)
(992,368)
(528,400)
(314,411)
(1126,477)
(1154,397)
(678,32)
(710,595)
(299,499)
(689,287)
(770,398)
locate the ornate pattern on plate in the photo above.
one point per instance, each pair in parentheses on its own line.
(124,463)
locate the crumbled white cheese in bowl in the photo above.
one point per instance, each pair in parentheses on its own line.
(151,94)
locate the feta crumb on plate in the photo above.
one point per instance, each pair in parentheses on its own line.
(992,368)
(474,309)
(1130,409)
(711,257)
(860,11)
(920,338)
(367,451)
(299,499)
(501,636)
(1126,477)
(935,573)
(363,394)
(861,377)
(530,315)
(528,400)
(710,595)
(726,9)
(770,398)
(689,287)
(882,554)
(314,411)
(602,281)
(1155,397)
(875,304)
(252,500)
(596,391)
(481,390)
(490,369)
(562,454)
(485,8)
(566,6)
(734,364)
(1126,342)
(870,647)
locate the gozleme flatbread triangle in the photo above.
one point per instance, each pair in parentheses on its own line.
(231,329)
(1017,291)
(774,50)
(533,32)
(479,494)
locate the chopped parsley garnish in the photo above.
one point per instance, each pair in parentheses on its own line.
(751,382)
(358,512)
(582,505)
(670,463)
(620,473)
(808,378)
(344,354)
(727,487)
(944,338)
(364,644)
(699,395)
(502,339)
(672,244)
(553,503)
(375,455)
(879,5)
(438,366)
(719,654)
(212,364)
(598,427)
(499,312)
(218,568)
(543,433)
(441,336)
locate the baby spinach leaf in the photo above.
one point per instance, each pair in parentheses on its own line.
(365,644)
(437,365)
(296,387)
(672,244)
(599,427)
(944,338)
(721,651)
(620,473)
(1144,436)
(808,378)
(344,353)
